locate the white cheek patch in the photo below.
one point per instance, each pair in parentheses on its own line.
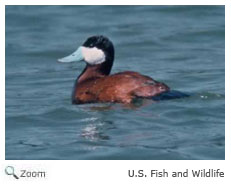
(93,55)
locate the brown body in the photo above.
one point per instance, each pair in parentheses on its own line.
(121,87)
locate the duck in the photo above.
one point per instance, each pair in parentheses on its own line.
(96,85)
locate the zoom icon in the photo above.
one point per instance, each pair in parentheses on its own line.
(9,170)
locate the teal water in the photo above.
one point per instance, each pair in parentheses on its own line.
(183,46)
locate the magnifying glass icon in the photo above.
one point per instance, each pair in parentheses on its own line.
(9,170)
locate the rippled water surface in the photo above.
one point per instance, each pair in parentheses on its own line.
(182,46)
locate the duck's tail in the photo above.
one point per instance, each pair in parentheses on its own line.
(172,94)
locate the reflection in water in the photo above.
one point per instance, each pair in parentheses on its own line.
(97,131)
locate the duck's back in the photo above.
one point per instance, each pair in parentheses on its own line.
(121,87)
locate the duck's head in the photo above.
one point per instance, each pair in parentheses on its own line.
(95,51)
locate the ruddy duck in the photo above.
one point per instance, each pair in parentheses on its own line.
(95,84)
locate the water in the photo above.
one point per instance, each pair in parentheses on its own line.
(182,46)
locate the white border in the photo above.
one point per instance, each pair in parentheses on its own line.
(115,172)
